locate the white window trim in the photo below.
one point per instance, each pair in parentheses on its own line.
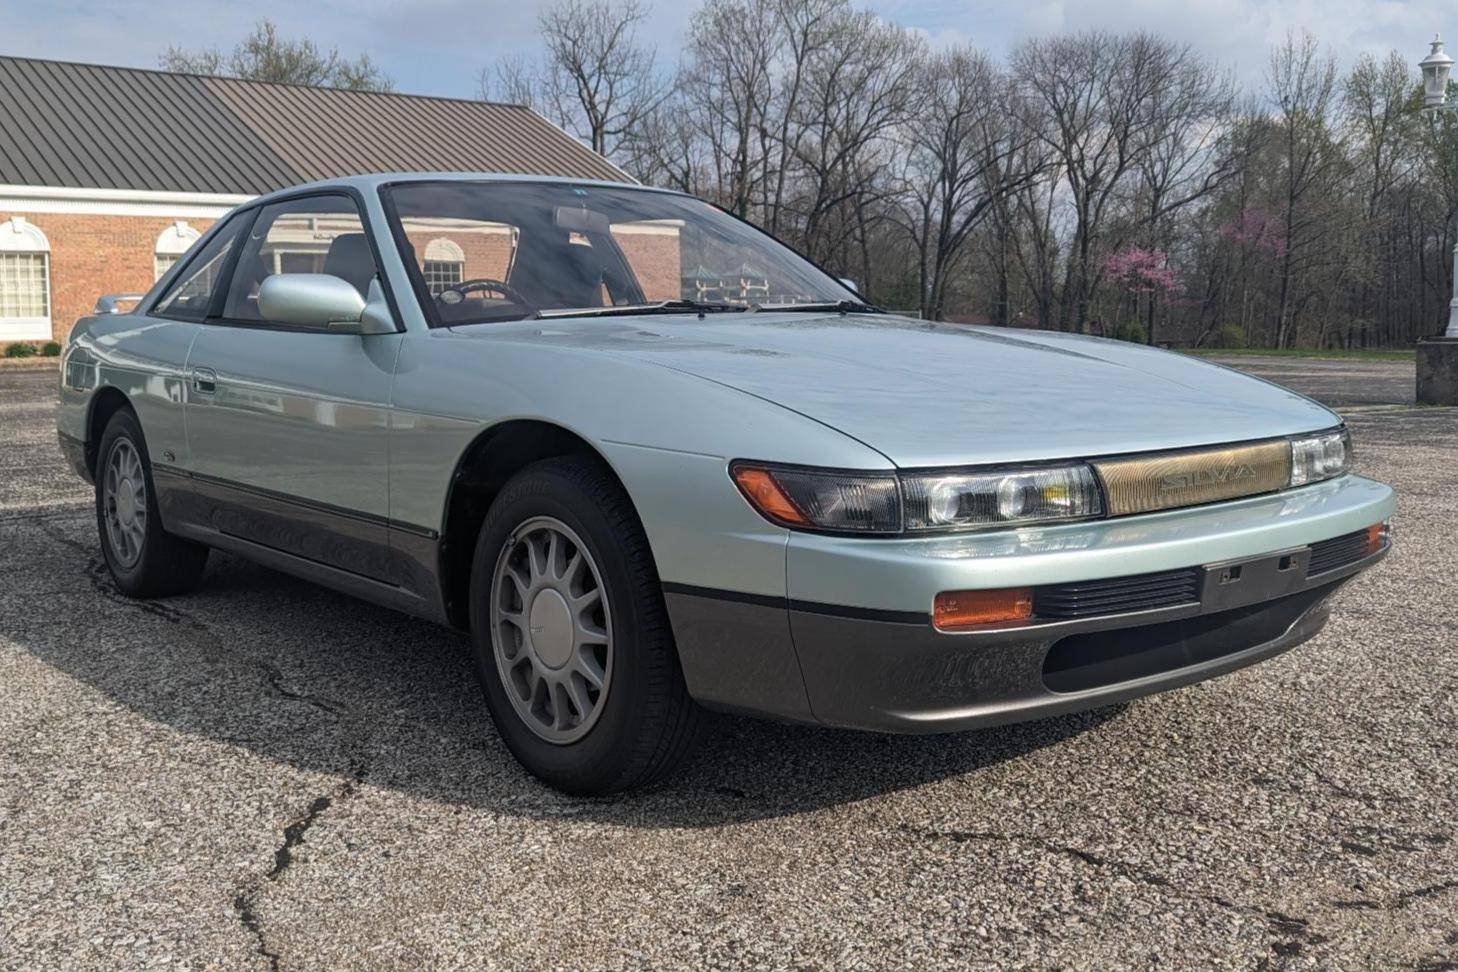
(175,239)
(172,243)
(441,250)
(19,235)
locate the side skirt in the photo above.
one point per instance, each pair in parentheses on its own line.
(365,556)
(355,585)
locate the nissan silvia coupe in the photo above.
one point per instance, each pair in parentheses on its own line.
(652,460)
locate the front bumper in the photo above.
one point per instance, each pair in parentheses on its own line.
(871,659)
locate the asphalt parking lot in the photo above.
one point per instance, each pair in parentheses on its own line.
(268,775)
(1336,381)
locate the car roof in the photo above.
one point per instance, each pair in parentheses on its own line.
(372,181)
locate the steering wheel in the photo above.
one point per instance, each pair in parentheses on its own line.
(460,290)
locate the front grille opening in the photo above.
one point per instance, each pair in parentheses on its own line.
(1087,661)
(1337,552)
(1116,595)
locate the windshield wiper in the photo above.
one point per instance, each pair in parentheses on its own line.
(657,307)
(843,306)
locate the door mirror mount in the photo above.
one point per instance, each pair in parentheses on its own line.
(850,284)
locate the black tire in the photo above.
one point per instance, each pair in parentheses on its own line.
(647,724)
(166,564)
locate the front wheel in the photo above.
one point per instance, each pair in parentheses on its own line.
(572,641)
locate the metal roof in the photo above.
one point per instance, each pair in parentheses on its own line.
(97,127)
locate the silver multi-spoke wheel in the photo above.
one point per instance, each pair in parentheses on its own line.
(551,630)
(124,499)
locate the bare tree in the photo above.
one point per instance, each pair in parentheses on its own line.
(728,84)
(969,146)
(858,86)
(1094,88)
(600,80)
(1302,88)
(1318,210)
(667,150)
(1191,149)
(265,56)
(515,80)
(804,26)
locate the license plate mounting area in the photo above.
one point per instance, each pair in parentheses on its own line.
(1236,583)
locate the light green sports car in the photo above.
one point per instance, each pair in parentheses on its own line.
(653,460)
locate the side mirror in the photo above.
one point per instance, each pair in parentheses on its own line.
(112,303)
(851,284)
(318,300)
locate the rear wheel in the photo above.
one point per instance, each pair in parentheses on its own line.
(144,560)
(572,641)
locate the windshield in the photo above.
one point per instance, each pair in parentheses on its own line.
(483,252)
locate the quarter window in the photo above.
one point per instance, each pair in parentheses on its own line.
(25,282)
(190,295)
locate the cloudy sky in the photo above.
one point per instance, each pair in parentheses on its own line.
(438,46)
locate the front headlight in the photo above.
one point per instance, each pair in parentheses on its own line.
(1318,457)
(918,502)
(968,500)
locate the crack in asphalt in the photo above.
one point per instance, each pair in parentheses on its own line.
(243,905)
(245,901)
(1297,931)
(26,516)
(1283,785)
(99,576)
(209,643)
(1405,898)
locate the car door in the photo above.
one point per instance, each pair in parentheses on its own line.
(154,355)
(288,426)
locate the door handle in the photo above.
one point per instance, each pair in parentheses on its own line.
(204,381)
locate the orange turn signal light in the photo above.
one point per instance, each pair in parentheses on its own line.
(1376,537)
(760,488)
(960,610)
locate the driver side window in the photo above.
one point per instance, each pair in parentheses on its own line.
(315,234)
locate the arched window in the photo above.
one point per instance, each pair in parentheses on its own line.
(443,265)
(25,282)
(171,245)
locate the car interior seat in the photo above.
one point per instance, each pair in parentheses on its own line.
(349,258)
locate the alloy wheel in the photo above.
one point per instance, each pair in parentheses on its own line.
(551,631)
(124,502)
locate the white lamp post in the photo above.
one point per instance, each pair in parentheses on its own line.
(1436,68)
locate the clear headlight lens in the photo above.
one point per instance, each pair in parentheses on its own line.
(862,502)
(968,500)
(1318,457)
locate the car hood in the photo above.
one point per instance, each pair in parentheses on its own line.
(931,394)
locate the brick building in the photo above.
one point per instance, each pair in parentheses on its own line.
(108,174)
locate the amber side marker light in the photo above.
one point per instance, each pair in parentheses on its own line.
(760,488)
(961,610)
(1376,537)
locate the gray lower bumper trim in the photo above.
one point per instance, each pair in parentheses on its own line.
(898,679)
(772,657)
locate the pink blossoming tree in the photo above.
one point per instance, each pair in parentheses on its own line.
(1145,274)
(1258,229)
